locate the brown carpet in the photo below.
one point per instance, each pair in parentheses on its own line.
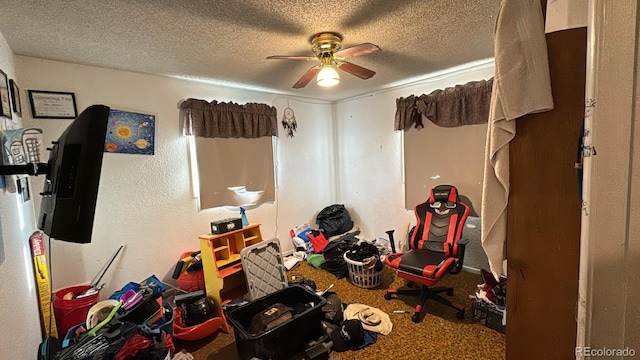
(440,335)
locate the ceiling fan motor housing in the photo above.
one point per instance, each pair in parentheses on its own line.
(326,44)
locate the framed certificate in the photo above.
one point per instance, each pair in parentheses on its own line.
(52,104)
(5,103)
(15,97)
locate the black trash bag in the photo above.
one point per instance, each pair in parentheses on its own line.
(333,256)
(335,264)
(334,220)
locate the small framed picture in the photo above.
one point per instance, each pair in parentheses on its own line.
(52,104)
(15,97)
(5,102)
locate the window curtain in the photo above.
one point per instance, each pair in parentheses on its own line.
(460,105)
(229,120)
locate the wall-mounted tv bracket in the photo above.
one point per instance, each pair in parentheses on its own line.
(34,169)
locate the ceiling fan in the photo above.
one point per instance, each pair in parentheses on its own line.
(326,46)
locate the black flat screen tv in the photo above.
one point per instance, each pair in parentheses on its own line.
(72,179)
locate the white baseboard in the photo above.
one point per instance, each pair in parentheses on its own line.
(471,270)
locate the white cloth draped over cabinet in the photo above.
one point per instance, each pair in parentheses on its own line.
(521,86)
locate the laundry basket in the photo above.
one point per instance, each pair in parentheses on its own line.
(360,276)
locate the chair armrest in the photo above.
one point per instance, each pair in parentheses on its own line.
(462,244)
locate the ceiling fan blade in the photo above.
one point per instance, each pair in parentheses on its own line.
(283,57)
(304,80)
(358,50)
(357,70)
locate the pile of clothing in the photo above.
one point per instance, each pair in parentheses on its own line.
(492,291)
(333,221)
(336,235)
(353,326)
(366,253)
(489,302)
(135,323)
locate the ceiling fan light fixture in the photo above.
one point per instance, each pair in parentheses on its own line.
(327,47)
(328,76)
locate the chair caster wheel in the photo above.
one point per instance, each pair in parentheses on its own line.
(387,296)
(415,318)
(450,292)
(460,314)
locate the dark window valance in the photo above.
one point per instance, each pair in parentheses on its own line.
(466,104)
(229,120)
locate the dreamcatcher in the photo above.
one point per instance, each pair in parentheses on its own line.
(289,121)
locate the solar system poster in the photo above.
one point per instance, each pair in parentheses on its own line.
(130,133)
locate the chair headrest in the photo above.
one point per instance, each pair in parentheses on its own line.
(444,194)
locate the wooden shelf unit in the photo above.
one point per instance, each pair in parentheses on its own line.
(223,276)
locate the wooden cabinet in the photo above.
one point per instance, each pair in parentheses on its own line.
(543,241)
(223,276)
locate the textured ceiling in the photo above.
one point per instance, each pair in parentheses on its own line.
(227,41)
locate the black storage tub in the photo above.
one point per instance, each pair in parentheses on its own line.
(285,340)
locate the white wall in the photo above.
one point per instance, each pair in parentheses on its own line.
(146,202)
(609,312)
(19,316)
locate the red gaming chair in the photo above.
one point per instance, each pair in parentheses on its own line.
(435,249)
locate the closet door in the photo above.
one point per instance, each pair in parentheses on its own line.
(543,238)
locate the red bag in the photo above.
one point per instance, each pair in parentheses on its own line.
(318,242)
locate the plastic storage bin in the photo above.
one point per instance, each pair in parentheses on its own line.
(361,277)
(487,315)
(263,268)
(195,332)
(285,340)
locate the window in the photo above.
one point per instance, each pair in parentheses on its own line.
(444,149)
(234,172)
(436,155)
(233,147)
